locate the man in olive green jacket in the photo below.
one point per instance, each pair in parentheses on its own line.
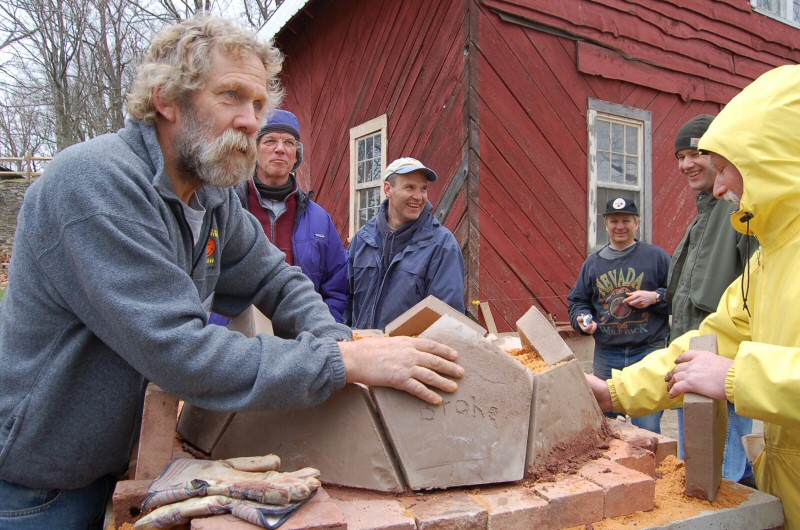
(711,255)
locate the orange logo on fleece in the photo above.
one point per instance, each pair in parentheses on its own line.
(211,247)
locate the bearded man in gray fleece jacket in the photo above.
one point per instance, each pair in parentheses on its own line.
(123,247)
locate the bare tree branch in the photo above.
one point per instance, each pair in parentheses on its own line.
(67,64)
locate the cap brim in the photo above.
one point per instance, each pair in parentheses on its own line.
(429,173)
(622,212)
(279,127)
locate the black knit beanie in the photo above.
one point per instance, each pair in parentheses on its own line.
(690,133)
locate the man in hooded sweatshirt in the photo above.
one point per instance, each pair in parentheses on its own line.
(753,147)
(403,254)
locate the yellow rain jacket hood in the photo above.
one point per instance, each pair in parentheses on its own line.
(759,132)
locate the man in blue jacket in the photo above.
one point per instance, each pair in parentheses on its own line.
(293,222)
(123,246)
(403,254)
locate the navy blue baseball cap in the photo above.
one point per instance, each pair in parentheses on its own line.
(281,121)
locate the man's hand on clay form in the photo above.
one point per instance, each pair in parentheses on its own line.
(410,364)
(700,372)
(601,392)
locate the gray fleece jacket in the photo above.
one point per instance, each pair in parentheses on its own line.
(107,292)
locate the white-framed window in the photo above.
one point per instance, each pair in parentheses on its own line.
(620,153)
(787,11)
(367,163)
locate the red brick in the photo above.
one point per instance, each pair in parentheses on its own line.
(573,501)
(127,500)
(705,426)
(447,511)
(514,508)
(636,458)
(662,446)
(376,515)
(157,434)
(221,522)
(626,491)
(320,513)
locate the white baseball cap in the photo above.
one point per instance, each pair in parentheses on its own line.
(403,166)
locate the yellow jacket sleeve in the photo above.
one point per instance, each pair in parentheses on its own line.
(641,388)
(764,379)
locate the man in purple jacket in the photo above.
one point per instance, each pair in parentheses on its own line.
(293,222)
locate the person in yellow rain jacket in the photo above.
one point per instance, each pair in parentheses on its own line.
(754,145)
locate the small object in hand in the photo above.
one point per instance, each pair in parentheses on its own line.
(587,320)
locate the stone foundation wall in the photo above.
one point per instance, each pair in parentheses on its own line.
(11,194)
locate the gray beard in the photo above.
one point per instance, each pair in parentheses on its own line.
(212,160)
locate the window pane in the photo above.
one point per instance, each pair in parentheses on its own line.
(376,171)
(368,204)
(617,169)
(773,6)
(368,170)
(377,157)
(631,170)
(374,197)
(361,171)
(361,205)
(369,146)
(617,138)
(603,167)
(362,147)
(603,134)
(631,140)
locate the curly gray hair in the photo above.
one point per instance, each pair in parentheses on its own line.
(179,60)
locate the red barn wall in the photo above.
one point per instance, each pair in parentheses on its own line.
(350,61)
(535,77)
(493,95)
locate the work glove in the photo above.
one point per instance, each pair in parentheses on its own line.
(182,512)
(251,478)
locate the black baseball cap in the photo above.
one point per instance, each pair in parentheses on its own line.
(621,205)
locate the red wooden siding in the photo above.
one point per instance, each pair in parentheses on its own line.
(700,49)
(349,61)
(669,58)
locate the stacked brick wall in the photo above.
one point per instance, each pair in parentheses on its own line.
(11,194)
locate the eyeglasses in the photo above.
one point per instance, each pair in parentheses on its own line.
(270,142)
